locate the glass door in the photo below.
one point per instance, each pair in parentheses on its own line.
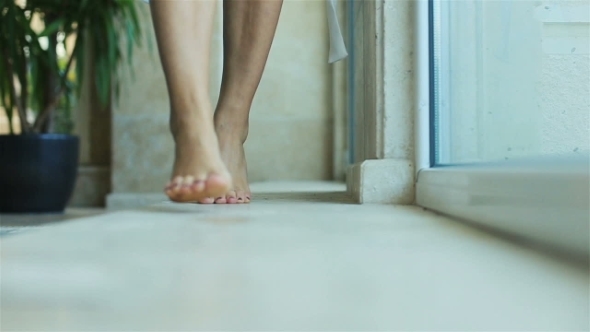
(511,80)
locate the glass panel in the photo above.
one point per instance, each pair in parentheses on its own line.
(512,79)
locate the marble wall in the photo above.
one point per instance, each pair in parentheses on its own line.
(384,102)
(291,121)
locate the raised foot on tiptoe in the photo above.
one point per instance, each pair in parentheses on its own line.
(232,153)
(198,169)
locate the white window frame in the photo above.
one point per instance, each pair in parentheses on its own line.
(543,200)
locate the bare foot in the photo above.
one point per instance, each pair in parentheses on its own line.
(198,170)
(232,154)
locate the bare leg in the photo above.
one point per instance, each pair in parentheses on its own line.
(248,31)
(183,31)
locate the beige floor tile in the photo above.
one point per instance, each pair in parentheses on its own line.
(285,262)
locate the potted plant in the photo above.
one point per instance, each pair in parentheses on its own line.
(43,46)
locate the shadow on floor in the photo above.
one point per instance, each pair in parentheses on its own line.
(12,223)
(331,197)
(313,197)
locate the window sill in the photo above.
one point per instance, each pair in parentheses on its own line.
(544,200)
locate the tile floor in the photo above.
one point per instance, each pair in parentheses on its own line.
(303,259)
(14,223)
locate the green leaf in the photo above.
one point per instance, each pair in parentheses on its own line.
(52,28)
(113,44)
(80,56)
(102,27)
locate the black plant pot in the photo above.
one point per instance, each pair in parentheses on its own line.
(37,172)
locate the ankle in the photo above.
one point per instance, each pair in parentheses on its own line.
(231,134)
(231,129)
(189,124)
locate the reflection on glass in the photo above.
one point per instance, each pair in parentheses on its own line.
(512,79)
